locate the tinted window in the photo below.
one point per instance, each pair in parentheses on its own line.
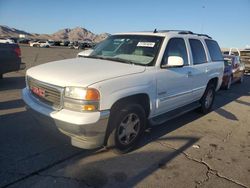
(175,47)
(214,50)
(198,52)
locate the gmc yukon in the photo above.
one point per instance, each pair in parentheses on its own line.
(129,82)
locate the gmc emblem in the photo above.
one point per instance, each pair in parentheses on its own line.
(38,91)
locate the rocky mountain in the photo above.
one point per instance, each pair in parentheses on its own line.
(74,34)
(6,31)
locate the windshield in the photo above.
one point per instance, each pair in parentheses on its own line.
(134,49)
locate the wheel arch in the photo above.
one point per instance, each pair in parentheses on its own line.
(142,99)
(215,82)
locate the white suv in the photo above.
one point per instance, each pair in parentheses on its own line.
(130,79)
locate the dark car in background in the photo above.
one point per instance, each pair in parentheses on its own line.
(10,58)
(23,41)
(64,43)
(233,71)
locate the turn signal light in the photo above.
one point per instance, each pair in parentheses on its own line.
(92,95)
(89,108)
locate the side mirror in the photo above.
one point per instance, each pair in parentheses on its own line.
(85,53)
(174,61)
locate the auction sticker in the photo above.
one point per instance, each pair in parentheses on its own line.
(146,44)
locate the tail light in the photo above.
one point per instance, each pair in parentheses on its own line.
(17,51)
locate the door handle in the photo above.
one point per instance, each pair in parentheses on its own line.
(189,74)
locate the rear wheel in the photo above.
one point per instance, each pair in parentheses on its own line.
(207,99)
(128,123)
(229,83)
(241,79)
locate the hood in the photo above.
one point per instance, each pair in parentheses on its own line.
(81,71)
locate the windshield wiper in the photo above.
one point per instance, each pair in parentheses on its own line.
(114,59)
(94,57)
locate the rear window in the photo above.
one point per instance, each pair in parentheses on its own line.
(214,50)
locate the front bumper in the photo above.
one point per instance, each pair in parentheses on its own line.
(86,130)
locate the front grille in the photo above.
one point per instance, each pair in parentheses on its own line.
(47,93)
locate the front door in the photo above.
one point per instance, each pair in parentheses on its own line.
(174,85)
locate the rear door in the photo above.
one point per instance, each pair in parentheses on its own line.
(200,67)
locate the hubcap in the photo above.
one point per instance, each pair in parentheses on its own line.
(209,99)
(129,129)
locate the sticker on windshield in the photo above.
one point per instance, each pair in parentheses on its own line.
(146,44)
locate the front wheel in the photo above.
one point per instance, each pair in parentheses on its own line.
(128,122)
(207,99)
(229,83)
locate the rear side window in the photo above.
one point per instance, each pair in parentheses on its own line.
(198,52)
(175,47)
(214,50)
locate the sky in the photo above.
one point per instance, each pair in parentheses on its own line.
(227,21)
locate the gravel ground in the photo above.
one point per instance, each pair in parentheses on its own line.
(190,151)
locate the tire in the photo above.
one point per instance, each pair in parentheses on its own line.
(1,76)
(241,79)
(127,123)
(207,99)
(229,83)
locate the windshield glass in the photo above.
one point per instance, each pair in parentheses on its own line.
(134,49)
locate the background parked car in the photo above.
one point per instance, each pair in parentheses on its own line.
(43,44)
(10,58)
(7,41)
(85,53)
(51,42)
(57,43)
(233,71)
(64,43)
(245,58)
(23,41)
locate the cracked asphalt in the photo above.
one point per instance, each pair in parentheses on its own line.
(190,151)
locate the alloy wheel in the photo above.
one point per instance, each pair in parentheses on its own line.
(129,128)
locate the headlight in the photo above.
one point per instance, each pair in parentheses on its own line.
(81,99)
(89,94)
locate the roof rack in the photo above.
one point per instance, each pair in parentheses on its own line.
(204,35)
(182,32)
(179,31)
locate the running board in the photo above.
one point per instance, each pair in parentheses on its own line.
(173,114)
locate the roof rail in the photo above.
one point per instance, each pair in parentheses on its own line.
(183,32)
(204,35)
(179,31)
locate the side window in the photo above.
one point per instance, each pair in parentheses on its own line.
(214,50)
(175,47)
(198,52)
